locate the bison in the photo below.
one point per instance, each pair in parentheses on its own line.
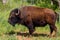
(32,17)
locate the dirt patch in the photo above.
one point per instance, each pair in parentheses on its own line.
(23,38)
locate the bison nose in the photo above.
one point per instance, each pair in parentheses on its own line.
(11,23)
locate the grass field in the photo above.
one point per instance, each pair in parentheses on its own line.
(20,32)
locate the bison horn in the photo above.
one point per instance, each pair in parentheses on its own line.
(18,12)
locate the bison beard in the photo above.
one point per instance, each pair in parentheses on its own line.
(33,17)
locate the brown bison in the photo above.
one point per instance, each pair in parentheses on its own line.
(32,17)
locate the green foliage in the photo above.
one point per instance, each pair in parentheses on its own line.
(43,3)
(0,0)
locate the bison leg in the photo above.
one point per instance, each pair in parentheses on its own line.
(31,29)
(29,24)
(34,27)
(53,30)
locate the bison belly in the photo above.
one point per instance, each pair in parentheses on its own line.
(40,23)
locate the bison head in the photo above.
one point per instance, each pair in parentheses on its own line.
(14,17)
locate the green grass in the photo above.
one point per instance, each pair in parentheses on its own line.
(6,28)
(7,37)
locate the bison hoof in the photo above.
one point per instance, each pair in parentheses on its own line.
(31,32)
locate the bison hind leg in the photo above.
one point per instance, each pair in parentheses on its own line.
(53,30)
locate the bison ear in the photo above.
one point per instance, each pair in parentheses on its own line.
(18,12)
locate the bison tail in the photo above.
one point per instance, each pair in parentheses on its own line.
(57,17)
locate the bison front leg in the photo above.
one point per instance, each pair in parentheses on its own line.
(30,27)
(31,30)
(53,30)
(29,24)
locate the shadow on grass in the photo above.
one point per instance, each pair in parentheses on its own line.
(27,34)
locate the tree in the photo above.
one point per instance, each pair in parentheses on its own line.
(56,3)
